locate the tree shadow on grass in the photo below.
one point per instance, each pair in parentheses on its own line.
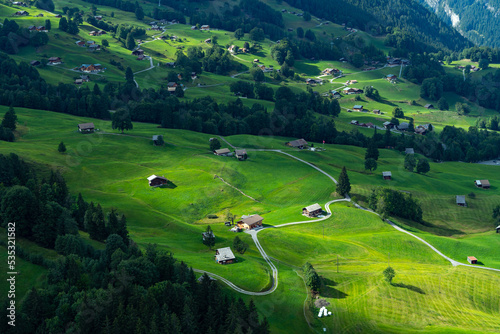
(328,291)
(168,185)
(409,287)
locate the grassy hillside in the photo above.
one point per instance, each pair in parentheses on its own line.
(111,169)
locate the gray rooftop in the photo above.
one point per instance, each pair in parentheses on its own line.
(298,142)
(386,174)
(409,151)
(240,152)
(313,207)
(224,254)
(222,151)
(460,199)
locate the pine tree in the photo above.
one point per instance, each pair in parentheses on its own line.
(209,238)
(61,148)
(130,42)
(129,75)
(122,229)
(343,185)
(63,24)
(372,151)
(10,119)
(113,223)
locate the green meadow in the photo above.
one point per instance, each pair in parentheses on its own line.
(111,169)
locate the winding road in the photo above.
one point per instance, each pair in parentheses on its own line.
(274,270)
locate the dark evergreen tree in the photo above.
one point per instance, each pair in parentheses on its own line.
(61,148)
(9,119)
(372,151)
(343,186)
(121,120)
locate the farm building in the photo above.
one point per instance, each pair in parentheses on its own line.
(157,140)
(78,81)
(357,107)
(225,152)
(137,52)
(429,106)
(299,143)
(250,222)
(34,63)
(498,229)
(352,90)
(471,260)
(86,127)
(205,27)
(312,210)
(376,111)
(461,200)
(335,94)
(354,122)
(388,125)
(22,13)
(387,175)
(224,256)
(403,126)
(55,60)
(206,235)
(241,154)
(485,184)
(391,77)
(409,151)
(155,181)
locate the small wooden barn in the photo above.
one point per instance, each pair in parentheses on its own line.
(156,181)
(86,127)
(223,152)
(312,210)
(250,222)
(224,256)
(471,260)
(299,143)
(485,184)
(461,200)
(241,154)
(387,175)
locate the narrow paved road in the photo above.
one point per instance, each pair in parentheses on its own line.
(274,270)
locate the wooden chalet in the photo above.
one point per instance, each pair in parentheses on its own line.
(224,256)
(156,181)
(471,260)
(352,90)
(358,107)
(387,175)
(225,152)
(485,184)
(54,60)
(137,52)
(391,77)
(409,151)
(312,210)
(78,81)
(429,106)
(241,154)
(86,127)
(250,222)
(461,200)
(21,13)
(388,125)
(58,16)
(205,27)
(34,63)
(299,143)
(376,111)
